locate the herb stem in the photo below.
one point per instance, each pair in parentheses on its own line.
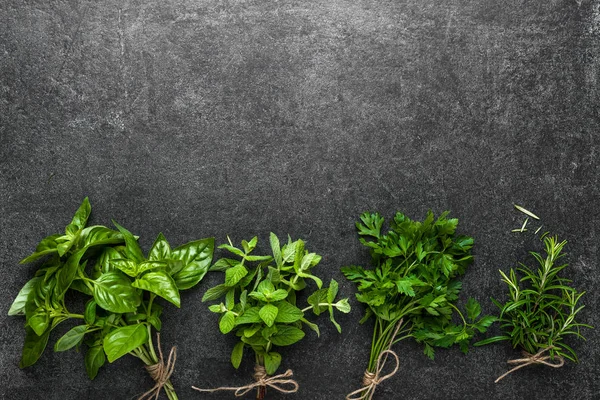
(320,304)
(459,313)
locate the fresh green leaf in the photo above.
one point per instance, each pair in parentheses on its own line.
(276,249)
(161,284)
(235,274)
(196,257)
(71,339)
(129,267)
(332,291)
(343,306)
(39,321)
(113,292)
(227,322)
(237,354)
(33,347)
(286,335)
(272,362)
(268,313)
(122,340)
(132,248)
(90,312)
(277,295)
(18,305)
(98,236)
(68,272)
(215,292)
(473,309)
(160,251)
(94,359)
(47,246)
(287,313)
(250,316)
(82,214)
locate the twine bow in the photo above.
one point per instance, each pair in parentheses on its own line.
(536,358)
(261,378)
(370,379)
(160,372)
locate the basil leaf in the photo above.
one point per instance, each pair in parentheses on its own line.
(123,340)
(68,272)
(46,246)
(113,292)
(82,214)
(18,305)
(39,321)
(105,263)
(132,248)
(33,347)
(71,339)
(196,257)
(129,267)
(98,235)
(94,359)
(90,312)
(159,283)
(161,250)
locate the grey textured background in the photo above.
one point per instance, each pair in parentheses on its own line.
(204,118)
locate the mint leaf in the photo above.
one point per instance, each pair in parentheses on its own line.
(268,313)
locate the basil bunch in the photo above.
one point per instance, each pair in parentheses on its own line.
(260,298)
(122,284)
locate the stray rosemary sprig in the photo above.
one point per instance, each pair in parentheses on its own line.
(541,309)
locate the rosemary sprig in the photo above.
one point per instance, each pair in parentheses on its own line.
(542,306)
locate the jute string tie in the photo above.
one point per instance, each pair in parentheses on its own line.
(372,379)
(537,358)
(277,382)
(160,372)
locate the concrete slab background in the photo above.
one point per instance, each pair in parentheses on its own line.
(205,118)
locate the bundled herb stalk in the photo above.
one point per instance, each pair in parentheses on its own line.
(412,289)
(260,306)
(540,312)
(122,284)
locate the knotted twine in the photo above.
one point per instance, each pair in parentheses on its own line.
(536,358)
(370,379)
(160,372)
(276,382)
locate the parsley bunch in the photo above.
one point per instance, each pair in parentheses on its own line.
(414,279)
(541,308)
(122,285)
(260,298)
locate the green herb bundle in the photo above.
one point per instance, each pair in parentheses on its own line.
(122,284)
(413,287)
(541,309)
(260,303)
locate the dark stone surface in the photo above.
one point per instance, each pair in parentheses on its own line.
(207,118)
